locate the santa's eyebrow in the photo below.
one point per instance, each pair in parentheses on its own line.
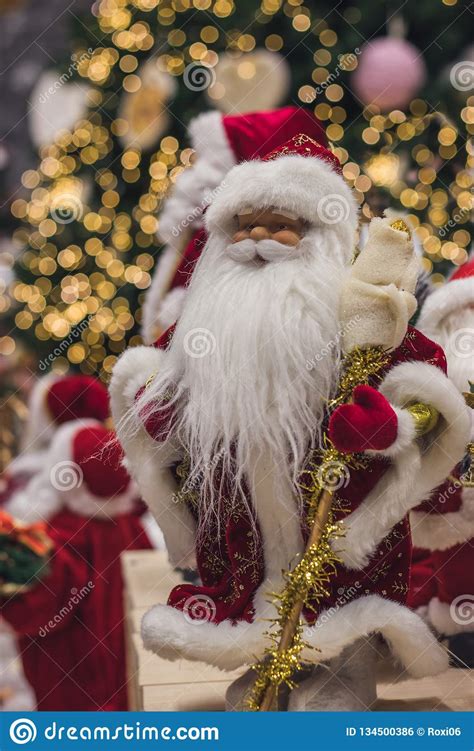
(288,214)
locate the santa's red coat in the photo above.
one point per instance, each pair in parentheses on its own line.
(441,584)
(71,624)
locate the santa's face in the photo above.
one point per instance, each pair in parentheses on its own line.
(265,235)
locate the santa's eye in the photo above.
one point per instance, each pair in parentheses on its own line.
(250,227)
(282,226)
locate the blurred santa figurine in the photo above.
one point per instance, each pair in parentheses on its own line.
(223,430)
(443,525)
(53,401)
(219,142)
(69,623)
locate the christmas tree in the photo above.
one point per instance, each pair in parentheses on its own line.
(398,116)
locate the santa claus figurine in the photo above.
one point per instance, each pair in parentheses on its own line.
(54,400)
(69,622)
(223,431)
(219,142)
(443,525)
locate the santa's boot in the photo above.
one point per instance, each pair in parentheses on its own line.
(345,684)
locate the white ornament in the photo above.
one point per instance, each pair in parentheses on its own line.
(253,81)
(56,103)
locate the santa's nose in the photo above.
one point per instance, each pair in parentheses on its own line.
(259,233)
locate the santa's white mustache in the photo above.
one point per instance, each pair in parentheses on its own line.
(268,250)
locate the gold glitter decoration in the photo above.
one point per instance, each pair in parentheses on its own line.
(401,226)
(425,417)
(308,582)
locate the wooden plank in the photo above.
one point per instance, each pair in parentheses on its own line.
(154,671)
(148,577)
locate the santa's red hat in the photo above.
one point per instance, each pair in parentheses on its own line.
(83,471)
(55,400)
(456,294)
(302,177)
(220,142)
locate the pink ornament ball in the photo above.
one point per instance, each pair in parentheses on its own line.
(390,73)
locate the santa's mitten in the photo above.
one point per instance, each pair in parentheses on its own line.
(368,423)
(377,299)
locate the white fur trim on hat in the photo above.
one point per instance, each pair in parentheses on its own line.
(306,186)
(454,295)
(60,484)
(194,187)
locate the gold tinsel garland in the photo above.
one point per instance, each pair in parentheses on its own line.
(308,582)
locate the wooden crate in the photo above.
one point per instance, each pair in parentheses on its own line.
(156,684)
(153,683)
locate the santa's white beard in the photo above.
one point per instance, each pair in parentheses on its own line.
(456,336)
(238,362)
